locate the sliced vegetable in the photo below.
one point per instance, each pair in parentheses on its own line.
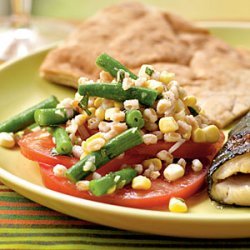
(112,66)
(112,181)
(53,116)
(84,104)
(112,149)
(158,195)
(37,146)
(114,91)
(26,118)
(134,119)
(149,71)
(63,142)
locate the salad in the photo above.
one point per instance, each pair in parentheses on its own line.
(124,139)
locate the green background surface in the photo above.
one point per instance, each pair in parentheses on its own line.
(193,9)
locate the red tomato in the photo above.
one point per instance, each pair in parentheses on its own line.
(158,196)
(37,146)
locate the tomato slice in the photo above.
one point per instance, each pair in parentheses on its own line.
(158,196)
(37,147)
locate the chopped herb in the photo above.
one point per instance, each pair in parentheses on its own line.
(84,104)
(120,75)
(193,111)
(149,71)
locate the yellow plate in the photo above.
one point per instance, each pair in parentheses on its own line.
(22,87)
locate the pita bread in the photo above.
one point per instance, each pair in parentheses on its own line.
(136,34)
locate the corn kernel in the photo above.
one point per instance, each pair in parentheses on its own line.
(89,144)
(154,161)
(7,140)
(100,113)
(82,185)
(168,124)
(151,126)
(182,162)
(172,137)
(77,151)
(212,133)
(95,144)
(166,77)
(179,106)
(96,176)
(173,172)
(119,127)
(149,139)
(196,165)
(159,134)
(162,106)
(177,205)
(164,155)
(59,170)
(198,135)
(111,190)
(104,126)
(92,110)
(141,182)
(154,175)
(118,105)
(138,168)
(142,71)
(155,85)
(98,102)
(181,115)
(131,104)
(190,101)
(93,123)
(150,115)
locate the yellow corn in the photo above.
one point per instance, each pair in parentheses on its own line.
(7,140)
(100,113)
(110,112)
(98,102)
(207,134)
(168,124)
(141,182)
(90,140)
(111,190)
(198,135)
(155,85)
(212,133)
(92,110)
(177,205)
(179,106)
(181,115)
(166,77)
(190,101)
(155,162)
(118,105)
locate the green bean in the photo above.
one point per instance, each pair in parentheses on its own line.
(119,144)
(134,119)
(54,116)
(112,181)
(62,141)
(26,118)
(115,92)
(112,66)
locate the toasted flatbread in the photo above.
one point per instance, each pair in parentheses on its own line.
(137,34)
